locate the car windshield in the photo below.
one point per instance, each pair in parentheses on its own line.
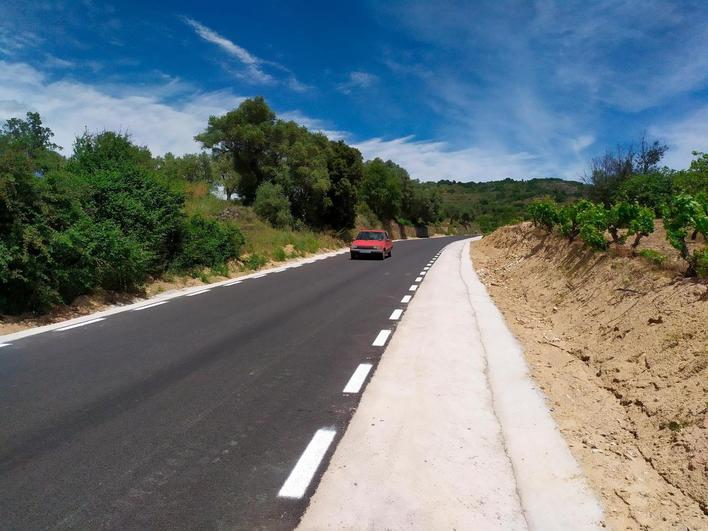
(366,235)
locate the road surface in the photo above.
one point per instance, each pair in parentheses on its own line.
(193,413)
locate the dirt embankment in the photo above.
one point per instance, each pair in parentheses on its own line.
(621,350)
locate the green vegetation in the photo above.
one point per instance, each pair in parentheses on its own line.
(490,205)
(112,216)
(655,257)
(685,217)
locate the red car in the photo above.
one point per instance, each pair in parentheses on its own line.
(372,243)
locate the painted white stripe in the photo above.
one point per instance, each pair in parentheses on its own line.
(413,288)
(406,299)
(197,292)
(426,268)
(380,340)
(418,279)
(357,380)
(422,273)
(305,468)
(79,324)
(232,283)
(149,306)
(396,315)
(259,275)
(5,344)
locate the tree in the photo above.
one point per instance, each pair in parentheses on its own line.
(346,172)
(226,175)
(272,205)
(244,135)
(381,188)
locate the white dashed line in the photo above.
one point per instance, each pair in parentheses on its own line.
(197,293)
(422,273)
(5,344)
(426,268)
(305,468)
(418,279)
(413,288)
(149,306)
(357,380)
(380,340)
(232,283)
(396,315)
(79,324)
(406,299)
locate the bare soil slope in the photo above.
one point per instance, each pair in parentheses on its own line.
(621,350)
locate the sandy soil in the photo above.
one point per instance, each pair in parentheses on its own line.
(621,350)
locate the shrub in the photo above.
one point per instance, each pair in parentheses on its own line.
(633,219)
(544,213)
(593,223)
(207,242)
(687,214)
(255,261)
(655,257)
(272,205)
(569,221)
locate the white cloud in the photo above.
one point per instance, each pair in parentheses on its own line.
(683,136)
(357,81)
(68,107)
(250,61)
(432,161)
(313,124)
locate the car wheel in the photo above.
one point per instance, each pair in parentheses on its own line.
(352,256)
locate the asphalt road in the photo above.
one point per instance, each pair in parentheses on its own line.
(193,413)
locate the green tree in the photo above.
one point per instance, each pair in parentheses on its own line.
(272,205)
(226,175)
(243,134)
(382,188)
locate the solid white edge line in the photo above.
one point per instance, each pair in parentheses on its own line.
(380,340)
(233,283)
(396,314)
(406,299)
(419,279)
(63,328)
(357,380)
(413,288)
(260,275)
(197,292)
(303,472)
(5,344)
(149,306)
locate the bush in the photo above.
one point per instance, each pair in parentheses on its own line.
(593,223)
(569,220)
(272,205)
(255,261)
(207,242)
(633,219)
(687,214)
(544,213)
(655,257)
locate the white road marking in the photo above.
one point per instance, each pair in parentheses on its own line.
(422,273)
(305,468)
(79,324)
(5,344)
(259,275)
(380,340)
(413,288)
(149,306)
(357,380)
(396,315)
(232,283)
(197,292)
(418,279)
(406,299)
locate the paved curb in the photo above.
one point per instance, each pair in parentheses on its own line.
(451,432)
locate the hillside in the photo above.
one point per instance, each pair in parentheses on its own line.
(497,203)
(618,345)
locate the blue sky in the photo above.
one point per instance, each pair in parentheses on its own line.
(463,90)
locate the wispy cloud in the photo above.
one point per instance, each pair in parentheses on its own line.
(68,107)
(252,63)
(254,68)
(356,81)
